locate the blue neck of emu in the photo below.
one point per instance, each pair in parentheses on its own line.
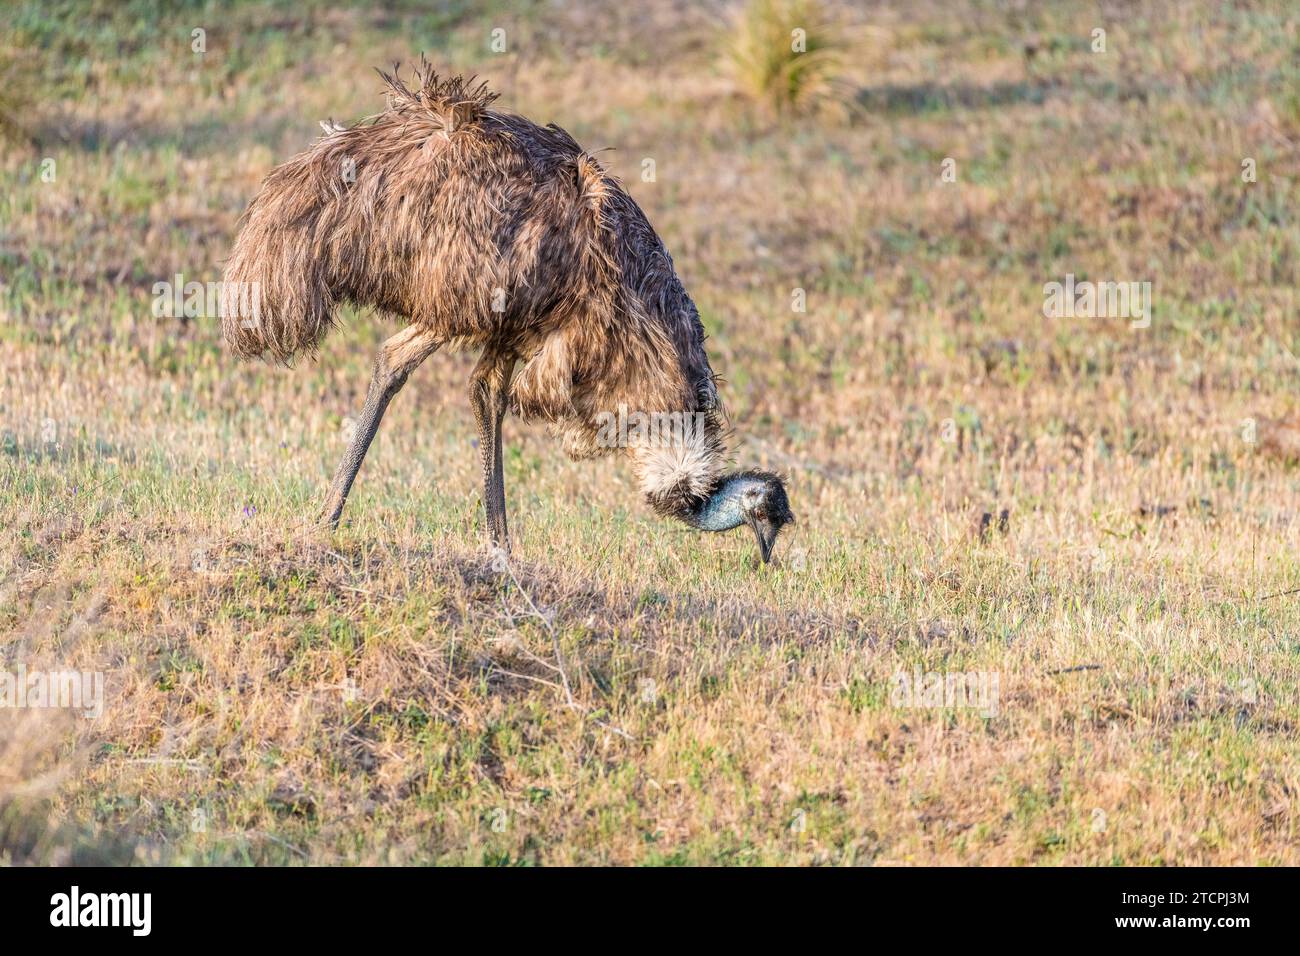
(720,511)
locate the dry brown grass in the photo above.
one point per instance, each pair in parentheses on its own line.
(384,694)
(18,95)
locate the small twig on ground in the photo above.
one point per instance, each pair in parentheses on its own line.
(536,680)
(558,667)
(275,839)
(555,640)
(1075,669)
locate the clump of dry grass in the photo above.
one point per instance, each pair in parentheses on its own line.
(1279,438)
(17,88)
(33,763)
(28,89)
(790,57)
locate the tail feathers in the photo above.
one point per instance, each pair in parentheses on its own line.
(275,304)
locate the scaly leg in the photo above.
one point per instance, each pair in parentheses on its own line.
(398,357)
(489,391)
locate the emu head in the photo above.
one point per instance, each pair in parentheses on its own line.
(754,498)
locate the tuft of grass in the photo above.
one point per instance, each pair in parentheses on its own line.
(789,56)
(17,95)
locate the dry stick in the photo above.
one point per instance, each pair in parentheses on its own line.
(555,641)
(559,657)
(526,652)
(536,680)
(1074,669)
(275,839)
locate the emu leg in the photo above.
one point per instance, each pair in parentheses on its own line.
(489,391)
(398,357)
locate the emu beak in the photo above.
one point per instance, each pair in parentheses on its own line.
(765,534)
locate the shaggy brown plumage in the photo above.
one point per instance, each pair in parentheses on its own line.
(480,228)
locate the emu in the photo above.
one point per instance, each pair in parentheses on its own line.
(477,228)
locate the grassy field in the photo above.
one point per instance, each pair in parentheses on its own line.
(278,694)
